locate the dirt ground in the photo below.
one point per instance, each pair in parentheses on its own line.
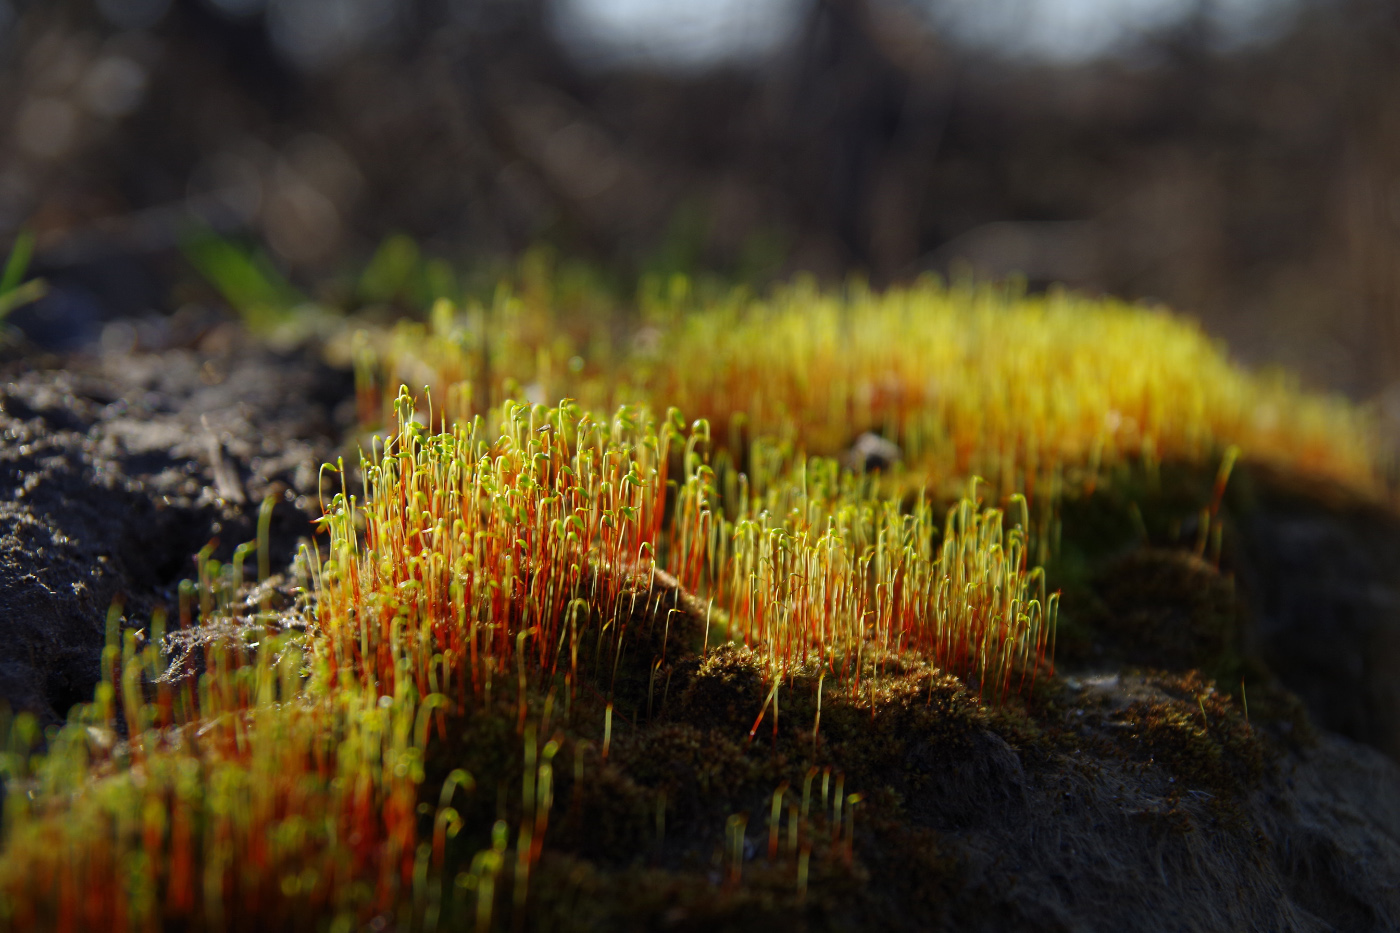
(116,470)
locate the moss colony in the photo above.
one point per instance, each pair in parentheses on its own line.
(832,611)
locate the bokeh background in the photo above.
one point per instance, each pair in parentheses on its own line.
(1238,160)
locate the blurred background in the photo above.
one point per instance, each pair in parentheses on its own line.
(1238,160)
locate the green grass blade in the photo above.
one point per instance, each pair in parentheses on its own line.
(18,263)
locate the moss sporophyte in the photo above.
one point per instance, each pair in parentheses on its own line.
(521,619)
(1023,390)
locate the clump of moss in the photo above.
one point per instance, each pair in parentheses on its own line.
(911,749)
(1198,733)
(726,688)
(630,660)
(1170,609)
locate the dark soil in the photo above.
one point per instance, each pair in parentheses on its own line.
(115,471)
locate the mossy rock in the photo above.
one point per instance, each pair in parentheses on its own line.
(1138,800)
(1168,608)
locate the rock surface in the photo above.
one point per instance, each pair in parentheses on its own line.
(1323,587)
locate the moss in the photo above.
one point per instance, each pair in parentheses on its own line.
(643,897)
(725,689)
(1101,534)
(925,736)
(631,660)
(1170,609)
(925,756)
(666,753)
(1197,733)
(1136,593)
